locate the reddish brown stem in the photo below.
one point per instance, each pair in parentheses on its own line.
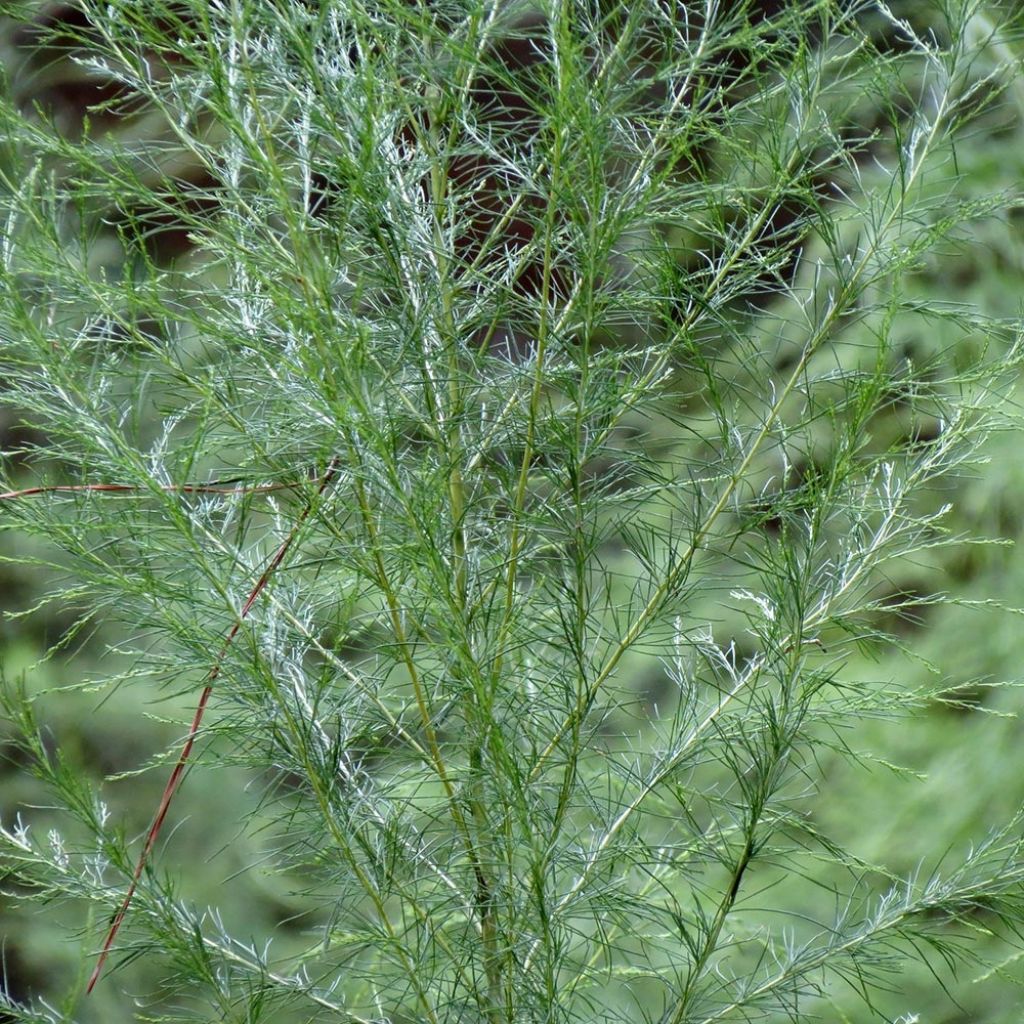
(136,488)
(182,762)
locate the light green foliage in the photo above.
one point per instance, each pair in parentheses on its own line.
(576,347)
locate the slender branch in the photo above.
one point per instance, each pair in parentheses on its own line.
(218,487)
(183,758)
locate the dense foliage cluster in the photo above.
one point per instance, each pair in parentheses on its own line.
(508,417)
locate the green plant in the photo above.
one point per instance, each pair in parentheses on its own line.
(528,348)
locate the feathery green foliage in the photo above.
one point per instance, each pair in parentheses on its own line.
(554,347)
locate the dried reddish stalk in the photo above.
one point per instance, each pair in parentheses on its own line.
(28,492)
(182,762)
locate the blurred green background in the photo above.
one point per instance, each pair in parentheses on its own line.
(924,786)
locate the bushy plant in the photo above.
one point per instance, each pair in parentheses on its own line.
(511,458)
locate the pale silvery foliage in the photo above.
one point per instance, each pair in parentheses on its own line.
(576,363)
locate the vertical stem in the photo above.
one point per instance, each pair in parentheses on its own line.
(478,712)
